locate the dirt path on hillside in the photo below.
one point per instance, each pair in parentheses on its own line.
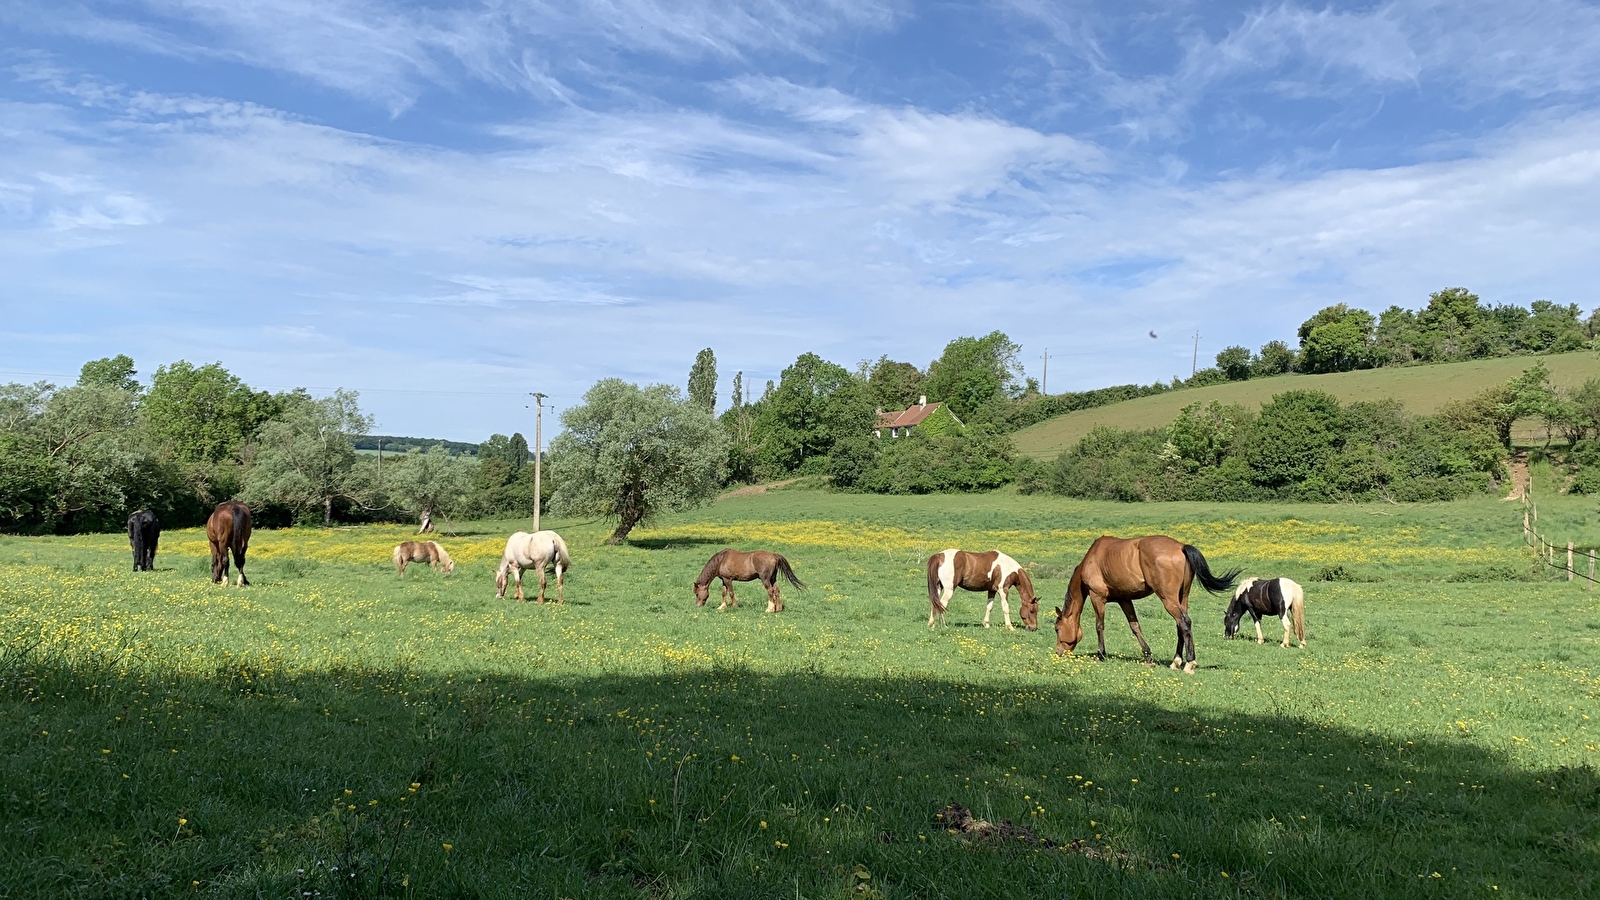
(751,490)
(1519,477)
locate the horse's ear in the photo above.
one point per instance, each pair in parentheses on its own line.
(1058,612)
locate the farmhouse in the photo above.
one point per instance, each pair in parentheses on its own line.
(932,418)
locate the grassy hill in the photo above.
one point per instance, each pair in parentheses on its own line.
(1423,389)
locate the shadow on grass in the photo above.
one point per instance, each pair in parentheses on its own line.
(718,782)
(674,543)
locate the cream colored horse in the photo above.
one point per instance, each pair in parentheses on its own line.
(533,551)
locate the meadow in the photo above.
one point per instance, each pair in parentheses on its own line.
(1423,389)
(333,731)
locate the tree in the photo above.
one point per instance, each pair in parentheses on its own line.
(1275,358)
(1203,435)
(1235,363)
(1293,437)
(204,414)
(111,371)
(430,483)
(1396,337)
(892,384)
(703,381)
(630,454)
(816,404)
(305,458)
(1336,339)
(975,372)
(1449,325)
(1551,328)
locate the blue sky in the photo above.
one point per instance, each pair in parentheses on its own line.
(447,204)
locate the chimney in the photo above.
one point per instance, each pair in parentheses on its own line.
(922,400)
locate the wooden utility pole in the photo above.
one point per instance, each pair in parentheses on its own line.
(538,455)
(1044,383)
(1194,362)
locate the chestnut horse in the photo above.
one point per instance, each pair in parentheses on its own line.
(993,572)
(533,551)
(736,565)
(422,552)
(228,529)
(1121,570)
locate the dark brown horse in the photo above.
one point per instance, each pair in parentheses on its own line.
(736,565)
(228,529)
(1121,570)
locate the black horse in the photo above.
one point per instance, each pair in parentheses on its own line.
(144,530)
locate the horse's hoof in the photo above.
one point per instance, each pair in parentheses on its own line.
(1188,669)
(1149,662)
(1175,666)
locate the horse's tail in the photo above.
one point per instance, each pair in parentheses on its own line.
(783,566)
(240,536)
(934,593)
(1213,583)
(399,558)
(1298,614)
(562,557)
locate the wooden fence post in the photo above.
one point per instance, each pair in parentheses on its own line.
(1526,539)
(1569,560)
(1590,585)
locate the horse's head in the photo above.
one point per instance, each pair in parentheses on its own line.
(449,565)
(1232,617)
(1030,602)
(1068,632)
(702,593)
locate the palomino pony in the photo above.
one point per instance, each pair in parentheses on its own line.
(1267,597)
(144,532)
(422,552)
(993,572)
(736,565)
(534,551)
(1121,570)
(227,530)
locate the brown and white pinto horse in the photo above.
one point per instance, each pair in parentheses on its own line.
(991,571)
(1120,571)
(422,552)
(228,530)
(732,565)
(1259,597)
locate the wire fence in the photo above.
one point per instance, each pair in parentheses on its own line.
(1571,560)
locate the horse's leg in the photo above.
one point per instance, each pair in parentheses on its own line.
(727,596)
(1286,629)
(988,609)
(771,584)
(1138,633)
(541,584)
(238,563)
(1005,606)
(1259,638)
(561,582)
(1099,623)
(520,598)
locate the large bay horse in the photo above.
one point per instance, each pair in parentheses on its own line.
(534,551)
(1267,597)
(1120,571)
(732,565)
(144,532)
(991,571)
(422,552)
(228,530)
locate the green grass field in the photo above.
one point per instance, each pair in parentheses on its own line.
(1423,389)
(333,731)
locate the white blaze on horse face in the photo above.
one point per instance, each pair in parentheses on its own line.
(947,577)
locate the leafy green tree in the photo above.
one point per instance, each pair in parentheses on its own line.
(429,484)
(513,451)
(703,381)
(852,460)
(1585,403)
(28,483)
(305,459)
(630,454)
(1336,339)
(1396,337)
(973,373)
(1275,358)
(1235,363)
(1449,326)
(892,384)
(1203,435)
(204,414)
(815,405)
(111,371)
(1293,437)
(1551,328)
(977,459)
(736,421)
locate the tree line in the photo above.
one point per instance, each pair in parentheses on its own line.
(81,457)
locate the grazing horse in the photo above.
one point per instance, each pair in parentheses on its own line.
(1267,597)
(144,531)
(736,565)
(1121,570)
(533,551)
(422,552)
(228,529)
(993,572)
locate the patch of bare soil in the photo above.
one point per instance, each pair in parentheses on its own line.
(1519,477)
(959,822)
(751,490)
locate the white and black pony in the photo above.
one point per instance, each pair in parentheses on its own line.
(1267,597)
(144,531)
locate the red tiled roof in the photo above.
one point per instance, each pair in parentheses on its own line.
(905,418)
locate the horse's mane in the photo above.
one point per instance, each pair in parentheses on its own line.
(444,558)
(710,570)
